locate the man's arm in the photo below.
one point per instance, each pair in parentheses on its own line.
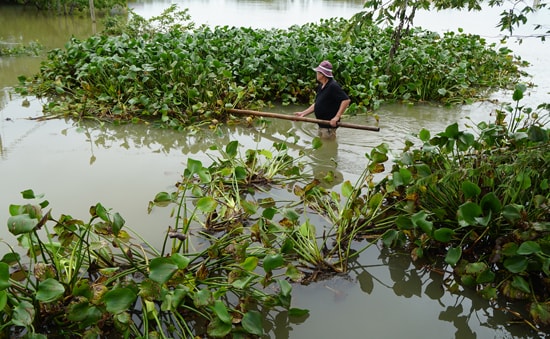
(343,106)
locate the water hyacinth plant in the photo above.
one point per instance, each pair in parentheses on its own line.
(173,73)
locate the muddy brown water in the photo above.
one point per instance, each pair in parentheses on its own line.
(123,167)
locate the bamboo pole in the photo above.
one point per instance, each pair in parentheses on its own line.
(297,118)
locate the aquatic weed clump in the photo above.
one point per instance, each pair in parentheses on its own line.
(168,71)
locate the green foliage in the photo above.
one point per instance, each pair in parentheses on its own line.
(168,71)
(480,202)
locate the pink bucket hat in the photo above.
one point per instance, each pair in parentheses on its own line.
(324,67)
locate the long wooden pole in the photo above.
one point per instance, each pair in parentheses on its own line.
(297,118)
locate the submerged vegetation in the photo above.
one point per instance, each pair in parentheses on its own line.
(168,71)
(472,205)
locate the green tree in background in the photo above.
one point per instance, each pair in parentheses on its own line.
(401,13)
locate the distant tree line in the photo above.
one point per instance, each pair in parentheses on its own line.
(68,6)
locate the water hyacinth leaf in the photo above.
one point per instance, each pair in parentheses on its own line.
(389,237)
(252,323)
(488,292)
(521,284)
(4,276)
(528,247)
(84,313)
(3,299)
(512,213)
(29,194)
(273,261)
(470,189)
(285,286)
(250,263)
(193,166)
(269,213)
(475,268)
(23,314)
(424,135)
(220,310)
(404,223)
(443,234)
(249,207)
(162,199)
(423,170)
(118,223)
(180,260)
(540,312)
(240,173)
(203,298)
(516,264)
(207,204)
(419,219)
(11,258)
(376,201)
(347,189)
(22,223)
(453,255)
(297,312)
(231,148)
(49,290)
(490,202)
(119,299)
(316,143)
(485,277)
(218,329)
(467,213)
(101,212)
(161,269)
(242,283)
(204,175)
(293,273)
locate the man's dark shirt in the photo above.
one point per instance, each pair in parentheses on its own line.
(328,101)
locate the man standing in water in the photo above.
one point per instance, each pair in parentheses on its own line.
(330,102)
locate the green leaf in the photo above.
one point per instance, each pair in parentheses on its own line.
(119,300)
(424,135)
(180,260)
(49,290)
(297,312)
(404,223)
(470,189)
(512,213)
(28,194)
(453,255)
(207,204)
(521,284)
(23,314)
(443,234)
(118,223)
(347,189)
(516,264)
(486,277)
(231,148)
(285,286)
(161,269)
(316,143)
(528,247)
(221,312)
(3,299)
(203,298)
(101,212)
(467,214)
(252,323)
(21,223)
(4,276)
(273,261)
(193,166)
(250,263)
(218,329)
(420,220)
